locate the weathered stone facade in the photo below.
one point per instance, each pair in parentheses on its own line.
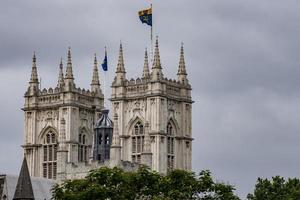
(159,105)
(55,118)
(151,120)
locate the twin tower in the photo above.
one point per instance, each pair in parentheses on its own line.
(68,131)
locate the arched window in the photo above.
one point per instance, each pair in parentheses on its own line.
(170,147)
(49,155)
(137,141)
(82,148)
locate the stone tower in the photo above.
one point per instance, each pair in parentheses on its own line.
(59,122)
(153,115)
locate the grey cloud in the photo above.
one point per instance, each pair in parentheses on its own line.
(242,59)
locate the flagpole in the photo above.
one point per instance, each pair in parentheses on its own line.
(151,35)
(104,98)
(105,89)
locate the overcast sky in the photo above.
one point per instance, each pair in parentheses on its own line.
(242,60)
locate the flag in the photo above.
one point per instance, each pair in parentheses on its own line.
(104,63)
(146,16)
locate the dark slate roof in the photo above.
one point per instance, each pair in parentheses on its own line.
(104,121)
(24,189)
(41,186)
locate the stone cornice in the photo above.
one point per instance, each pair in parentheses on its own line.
(142,81)
(184,138)
(124,136)
(139,96)
(77,105)
(29,146)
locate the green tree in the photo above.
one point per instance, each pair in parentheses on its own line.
(276,189)
(112,184)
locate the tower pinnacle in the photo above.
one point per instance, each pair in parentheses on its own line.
(69,71)
(69,79)
(95,84)
(120,73)
(156,68)
(120,66)
(34,81)
(146,73)
(34,74)
(181,68)
(60,81)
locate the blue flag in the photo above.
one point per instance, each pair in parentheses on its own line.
(104,64)
(146,16)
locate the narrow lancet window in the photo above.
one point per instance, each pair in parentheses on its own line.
(137,141)
(49,164)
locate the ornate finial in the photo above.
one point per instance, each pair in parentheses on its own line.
(95,59)
(69,53)
(146,73)
(34,57)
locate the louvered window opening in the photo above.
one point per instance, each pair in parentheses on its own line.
(137,141)
(170,147)
(82,148)
(49,163)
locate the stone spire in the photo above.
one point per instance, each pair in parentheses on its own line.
(181,68)
(120,73)
(146,73)
(34,82)
(156,68)
(60,82)
(69,79)
(24,187)
(34,74)
(95,84)
(69,71)
(120,66)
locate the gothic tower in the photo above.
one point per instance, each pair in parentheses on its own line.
(59,122)
(153,115)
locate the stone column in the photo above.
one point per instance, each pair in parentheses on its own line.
(62,153)
(115,149)
(146,158)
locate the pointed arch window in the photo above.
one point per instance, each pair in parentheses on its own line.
(82,147)
(49,163)
(170,146)
(137,141)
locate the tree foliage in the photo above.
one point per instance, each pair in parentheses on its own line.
(114,184)
(278,188)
